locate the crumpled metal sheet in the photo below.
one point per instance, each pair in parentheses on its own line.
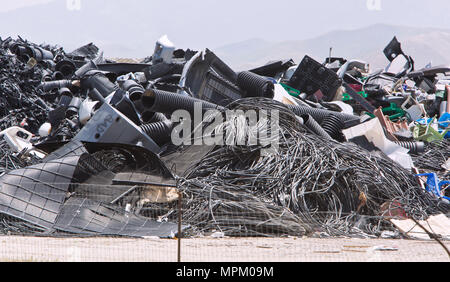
(83,216)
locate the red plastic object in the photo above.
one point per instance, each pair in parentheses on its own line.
(356,87)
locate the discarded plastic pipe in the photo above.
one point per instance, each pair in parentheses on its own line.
(167,102)
(96,96)
(66,67)
(333,125)
(46,75)
(48,64)
(39,53)
(57,75)
(64,91)
(158,131)
(85,68)
(99,81)
(134,89)
(255,85)
(47,86)
(151,117)
(319,114)
(158,117)
(414,147)
(74,106)
(310,123)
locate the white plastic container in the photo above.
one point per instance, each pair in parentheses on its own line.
(163,50)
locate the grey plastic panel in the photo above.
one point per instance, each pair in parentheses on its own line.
(73,148)
(83,216)
(109,126)
(35,194)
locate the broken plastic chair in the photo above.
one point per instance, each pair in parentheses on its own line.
(434,185)
(424,131)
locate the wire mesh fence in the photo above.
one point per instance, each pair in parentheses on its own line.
(170,227)
(227,202)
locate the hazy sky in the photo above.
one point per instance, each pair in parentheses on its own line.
(213,23)
(9,5)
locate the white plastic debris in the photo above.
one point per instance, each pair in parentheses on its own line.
(163,50)
(18,138)
(374,133)
(282,96)
(437,224)
(218,235)
(45,129)
(86,110)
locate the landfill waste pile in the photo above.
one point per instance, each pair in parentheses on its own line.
(91,145)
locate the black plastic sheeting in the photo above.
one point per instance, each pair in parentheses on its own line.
(35,194)
(73,148)
(84,216)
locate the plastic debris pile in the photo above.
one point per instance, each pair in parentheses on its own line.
(87,144)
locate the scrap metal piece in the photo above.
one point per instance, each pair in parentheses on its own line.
(181,162)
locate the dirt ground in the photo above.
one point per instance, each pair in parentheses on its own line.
(33,249)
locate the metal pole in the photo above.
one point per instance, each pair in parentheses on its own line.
(180,200)
(329,57)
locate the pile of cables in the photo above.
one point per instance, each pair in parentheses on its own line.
(307,185)
(435,156)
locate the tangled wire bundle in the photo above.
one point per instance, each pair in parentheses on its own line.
(308,185)
(435,155)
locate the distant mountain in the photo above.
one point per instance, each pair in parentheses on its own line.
(104,23)
(423,44)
